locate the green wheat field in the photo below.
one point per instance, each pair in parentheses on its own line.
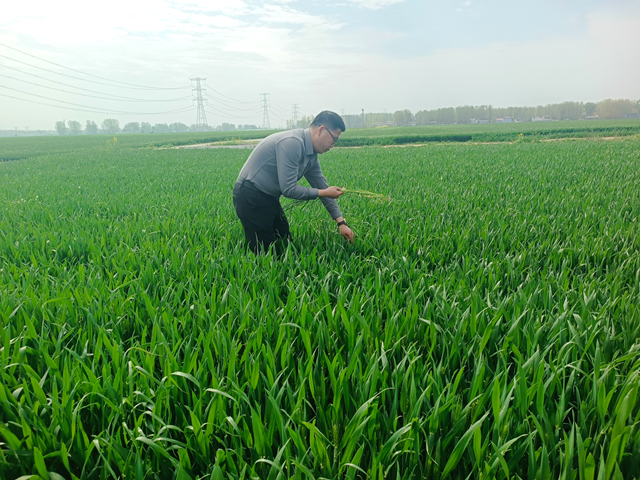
(485,324)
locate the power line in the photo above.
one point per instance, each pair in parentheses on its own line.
(231,111)
(235,114)
(279,110)
(251,109)
(75,78)
(228,115)
(94,109)
(278,107)
(90,111)
(91,96)
(80,88)
(89,74)
(233,107)
(237,101)
(256,108)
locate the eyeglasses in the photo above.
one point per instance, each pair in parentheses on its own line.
(335,139)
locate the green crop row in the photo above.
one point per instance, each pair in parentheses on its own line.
(485,323)
(25,147)
(17,148)
(491,136)
(480,128)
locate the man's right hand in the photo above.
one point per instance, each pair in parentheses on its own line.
(330,192)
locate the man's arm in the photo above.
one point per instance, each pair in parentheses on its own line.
(316,179)
(289,152)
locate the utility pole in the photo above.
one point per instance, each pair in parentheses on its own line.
(201,115)
(342,112)
(265,112)
(295,111)
(363,118)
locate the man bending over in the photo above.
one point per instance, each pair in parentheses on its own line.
(274,168)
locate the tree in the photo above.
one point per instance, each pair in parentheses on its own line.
(178,127)
(91,128)
(610,108)
(423,117)
(201,128)
(590,109)
(465,113)
(111,126)
(75,128)
(402,117)
(160,128)
(131,127)
(61,127)
(145,127)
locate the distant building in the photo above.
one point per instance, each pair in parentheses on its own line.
(507,120)
(592,117)
(541,119)
(631,115)
(473,120)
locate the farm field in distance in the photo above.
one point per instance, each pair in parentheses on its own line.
(485,324)
(16,148)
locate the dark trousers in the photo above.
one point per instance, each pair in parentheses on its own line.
(261,215)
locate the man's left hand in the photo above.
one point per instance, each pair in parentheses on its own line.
(346,232)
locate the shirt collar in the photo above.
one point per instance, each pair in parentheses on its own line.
(307,141)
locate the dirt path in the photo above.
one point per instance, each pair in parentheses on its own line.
(244,144)
(250,144)
(632,137)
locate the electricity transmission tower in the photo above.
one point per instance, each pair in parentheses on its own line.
(201,115)
(265,112)
(295,111)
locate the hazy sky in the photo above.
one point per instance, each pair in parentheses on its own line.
(351,54)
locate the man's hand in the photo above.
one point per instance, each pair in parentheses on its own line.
(330,192)
(346,233)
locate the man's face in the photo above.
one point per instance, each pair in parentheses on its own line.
(326,138)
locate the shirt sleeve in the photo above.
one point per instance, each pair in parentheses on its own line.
(316,179)
(289,152)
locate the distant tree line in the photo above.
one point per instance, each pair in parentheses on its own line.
(228,127)
(111,126)
(606,109)
(303,122)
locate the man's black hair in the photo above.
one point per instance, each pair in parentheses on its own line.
(329,119)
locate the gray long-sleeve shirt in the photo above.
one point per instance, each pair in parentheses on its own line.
(279,161)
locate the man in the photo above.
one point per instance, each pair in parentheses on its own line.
(274,168)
